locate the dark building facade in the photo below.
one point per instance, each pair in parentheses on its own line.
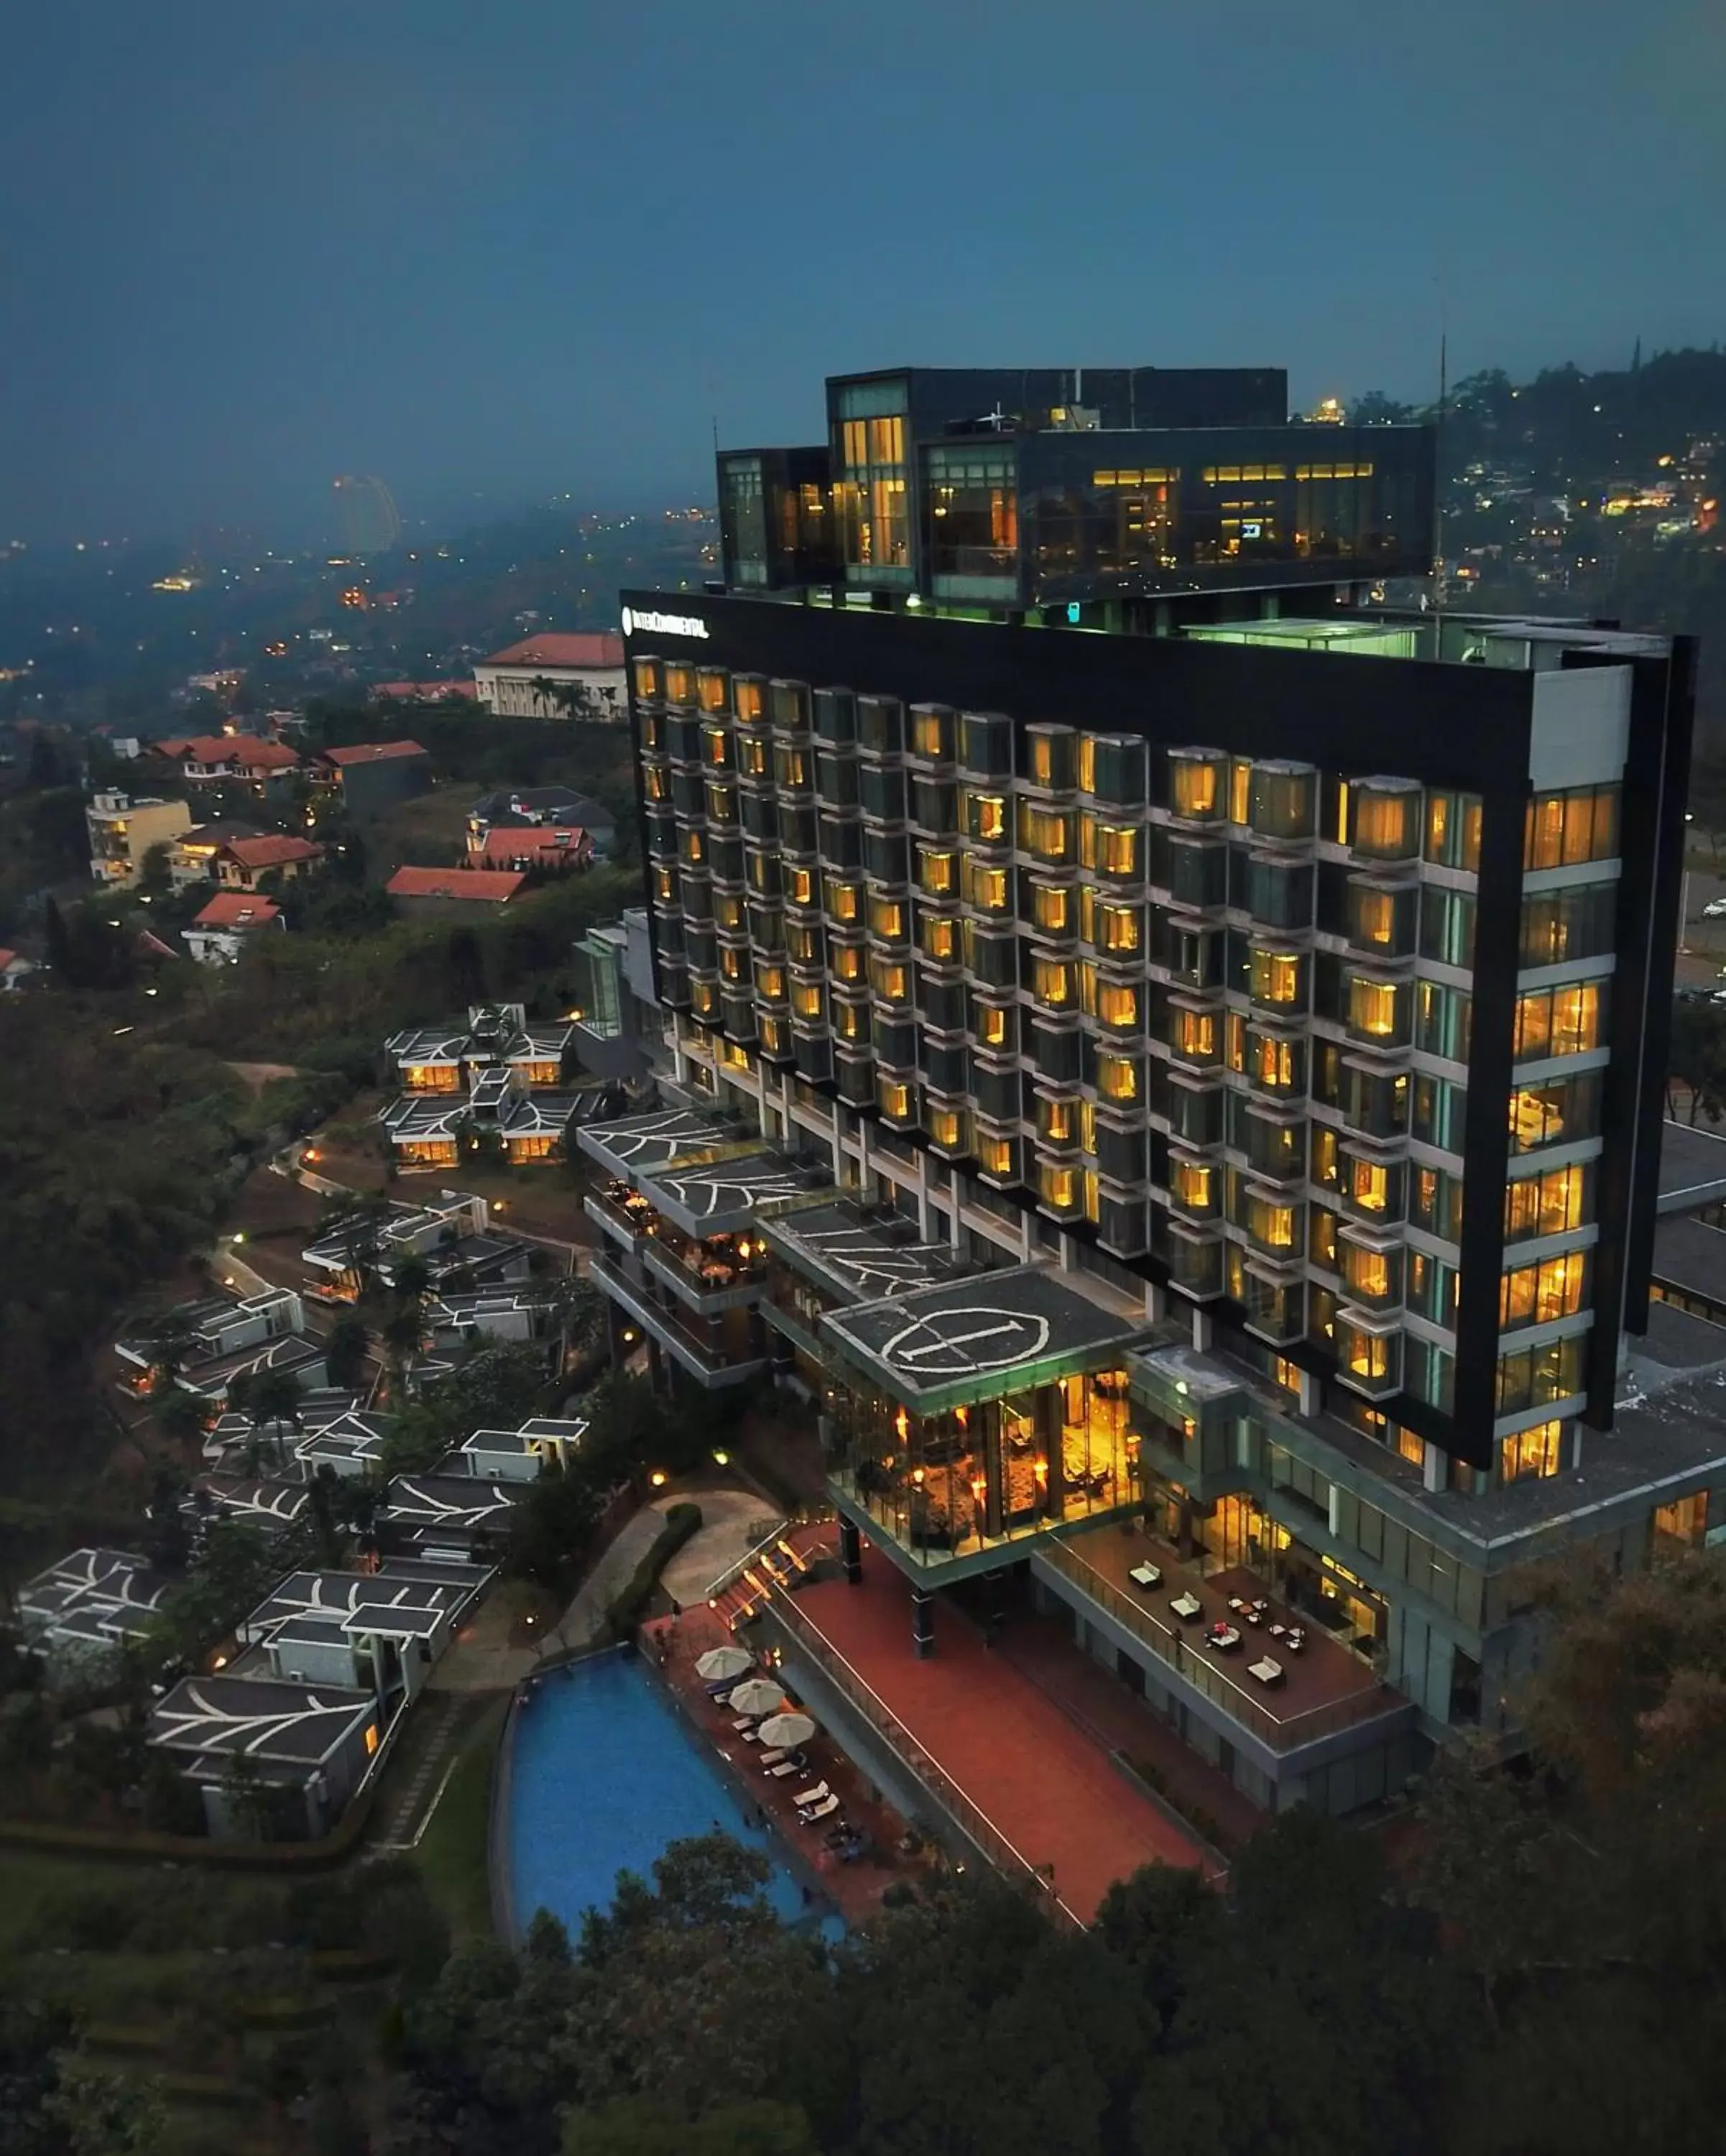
(1281,976)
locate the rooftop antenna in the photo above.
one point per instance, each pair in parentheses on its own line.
(1438,577)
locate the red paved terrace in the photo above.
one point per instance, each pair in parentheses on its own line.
(1056,1796)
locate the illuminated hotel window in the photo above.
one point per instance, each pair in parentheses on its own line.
(716,748)
(1372,917)
(1137,476)
(727,909)
(679,684)
(894,1096)
(646,677)
(692,846)
(770,982)
(1453,830)
(709,689)
(1374,1008)
(890,978)
(1195,783)
(753,758)
(931,735)
(1580,824)
(1117,927)
(1052,907)
(1276,977)
(1274,1062)
(992,1025)
(986,815)
(844,900)
(1052,981)
(1194,1035)
(1368,1183)
(653,782)
(1055,1120)
(1321,1238)
(940,937)
(1531,1452)
(1685,1520)
(747,699)
(1058,1186)
(1117,849)
(1387,820)
(1234,475)
(1548,1204)
(938,873)
(849,1019)
(1333,471)
(1046,833)
(807,998)
(1557,1113)
(1369,1276)
(887,919)
(1283,800)
(1533,1294)
(1240,788)
(1192,1185)
(1117,1076)
(1117,1003)
(986,887)
(995,1156)
(791,768)
(704,997)
(1271,1224)
(846,962)
(1560,1021)
(664,884)
(945,1125)
(1340,833)
(732,962)
(1369,1357)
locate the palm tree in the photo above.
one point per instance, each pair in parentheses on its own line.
(272,1398)
(401,1330)
(545,694)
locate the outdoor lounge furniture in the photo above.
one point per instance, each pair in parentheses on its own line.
(772,1758)
(743,1723)
(810,1814)
(811,1796)
(795,1765)
(1186,1607)
(1266,1671)
(1146,1575)
(1223,1638)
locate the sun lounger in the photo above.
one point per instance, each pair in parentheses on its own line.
(1146,1575)
(743,1723)
(1266,1671)
(785,1767)
(809,1796)
(772,1758)
(825,1809)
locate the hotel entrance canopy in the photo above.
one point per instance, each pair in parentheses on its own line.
(975,1338)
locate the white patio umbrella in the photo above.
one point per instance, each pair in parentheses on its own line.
(720,1662)
(782,1731)
(757,1696)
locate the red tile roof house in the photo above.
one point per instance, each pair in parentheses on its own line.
(556,676)
(553,853)
(452,894)
(423,692)
(218,935)
(229,760)
(373,776)
(242,862)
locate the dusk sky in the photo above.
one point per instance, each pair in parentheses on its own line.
(536,246)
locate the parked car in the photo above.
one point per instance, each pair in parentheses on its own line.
(1714,909)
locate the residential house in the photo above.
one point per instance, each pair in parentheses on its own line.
(80,1612)
(242,863)
(263,767)
(221,931)
(203,1346)
(309,1743)
(424,692)
(497,1079)
(451,1512)
(525,1312)
(379,1632)
(522,1456)
(373,776)
(556,676)
(122,831)
(193,856)
(363,1244)
(554,852)
(540,807)
(454,895)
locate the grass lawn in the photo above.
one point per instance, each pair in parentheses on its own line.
(453,1856)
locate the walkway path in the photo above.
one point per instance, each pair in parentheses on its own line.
(733,1521)
(396,1830)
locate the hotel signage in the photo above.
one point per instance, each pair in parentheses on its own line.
(664,624)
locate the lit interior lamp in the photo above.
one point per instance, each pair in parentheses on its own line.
(978,1488)
(917,1476)
(1040,1468)
(658,1478)
(902,1423)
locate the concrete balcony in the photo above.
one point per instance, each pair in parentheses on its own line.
(723,1350)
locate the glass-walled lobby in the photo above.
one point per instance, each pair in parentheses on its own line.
(969,1478)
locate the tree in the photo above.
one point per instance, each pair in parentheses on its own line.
(180,1416)
(1696,1058)
(345,1348)
(1375,409)
(273,1401)
(154,878)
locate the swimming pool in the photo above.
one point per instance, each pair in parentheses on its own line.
(603,1775)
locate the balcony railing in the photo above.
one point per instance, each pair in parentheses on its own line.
(1280,1734)
(976,1827)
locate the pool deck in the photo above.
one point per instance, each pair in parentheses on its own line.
(1046,1782)
(855,1889)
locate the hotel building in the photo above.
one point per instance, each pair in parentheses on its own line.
(1164,1036)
